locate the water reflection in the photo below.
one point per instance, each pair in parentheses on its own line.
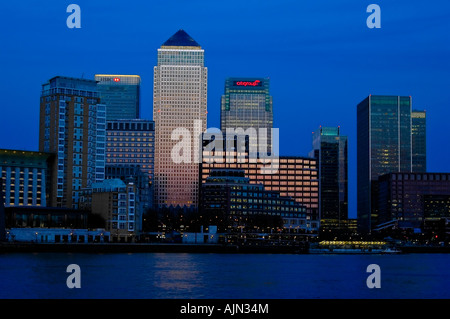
(173,275)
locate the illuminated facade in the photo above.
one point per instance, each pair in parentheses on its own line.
(229,200)
(419,141)
(384,145)
(121,95)
(330,149)
(413,198)
(24,177)
(179,103)
(291,176)
(72,126)
(246,104)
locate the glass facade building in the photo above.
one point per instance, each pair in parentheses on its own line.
(72,126)
(120,94)
(330,149)
(384,145)
(419,141)
(179,108)
(247,104)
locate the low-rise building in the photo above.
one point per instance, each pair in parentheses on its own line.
(228,198)
(290,176)
(413,198)
(57,235)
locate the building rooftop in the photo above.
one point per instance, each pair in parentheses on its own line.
(181,39)
(107,185)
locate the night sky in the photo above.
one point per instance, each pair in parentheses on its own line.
(321,58)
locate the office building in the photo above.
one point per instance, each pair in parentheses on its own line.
(414,198)
(419,141)
(291,176)
(116,202)
(120,94)
(131,143)
(331,151)
(24,177)
(73,127)
(231,202)
(384,145)
(246,104)
(179,108)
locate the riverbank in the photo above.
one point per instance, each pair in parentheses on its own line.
(26,247)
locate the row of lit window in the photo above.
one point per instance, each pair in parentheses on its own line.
(261,201)
(211,161)
(131,139)
(269,208)
(277,160)
(115,133)
(126,153)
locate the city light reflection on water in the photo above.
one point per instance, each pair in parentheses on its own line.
(225,276)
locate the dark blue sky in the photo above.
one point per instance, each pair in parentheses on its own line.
(319,54)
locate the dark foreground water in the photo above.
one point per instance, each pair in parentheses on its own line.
(224,276)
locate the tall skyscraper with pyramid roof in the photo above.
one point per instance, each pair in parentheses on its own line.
(179,106)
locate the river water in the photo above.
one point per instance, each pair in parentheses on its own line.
(223,276)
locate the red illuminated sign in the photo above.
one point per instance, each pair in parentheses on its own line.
(247,83)
(116,80)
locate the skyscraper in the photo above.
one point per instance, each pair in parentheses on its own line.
(330,150)
(419,141)
(120,94)
(179,108)
(384,145)
(246,104)
(72,126)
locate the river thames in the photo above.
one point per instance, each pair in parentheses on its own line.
(223,276)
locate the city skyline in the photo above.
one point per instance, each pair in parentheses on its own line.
(408,70)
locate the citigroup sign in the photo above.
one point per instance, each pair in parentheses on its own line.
(248,83)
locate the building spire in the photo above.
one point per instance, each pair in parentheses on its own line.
(181,39)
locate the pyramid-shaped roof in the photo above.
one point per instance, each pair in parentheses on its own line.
(181,39)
